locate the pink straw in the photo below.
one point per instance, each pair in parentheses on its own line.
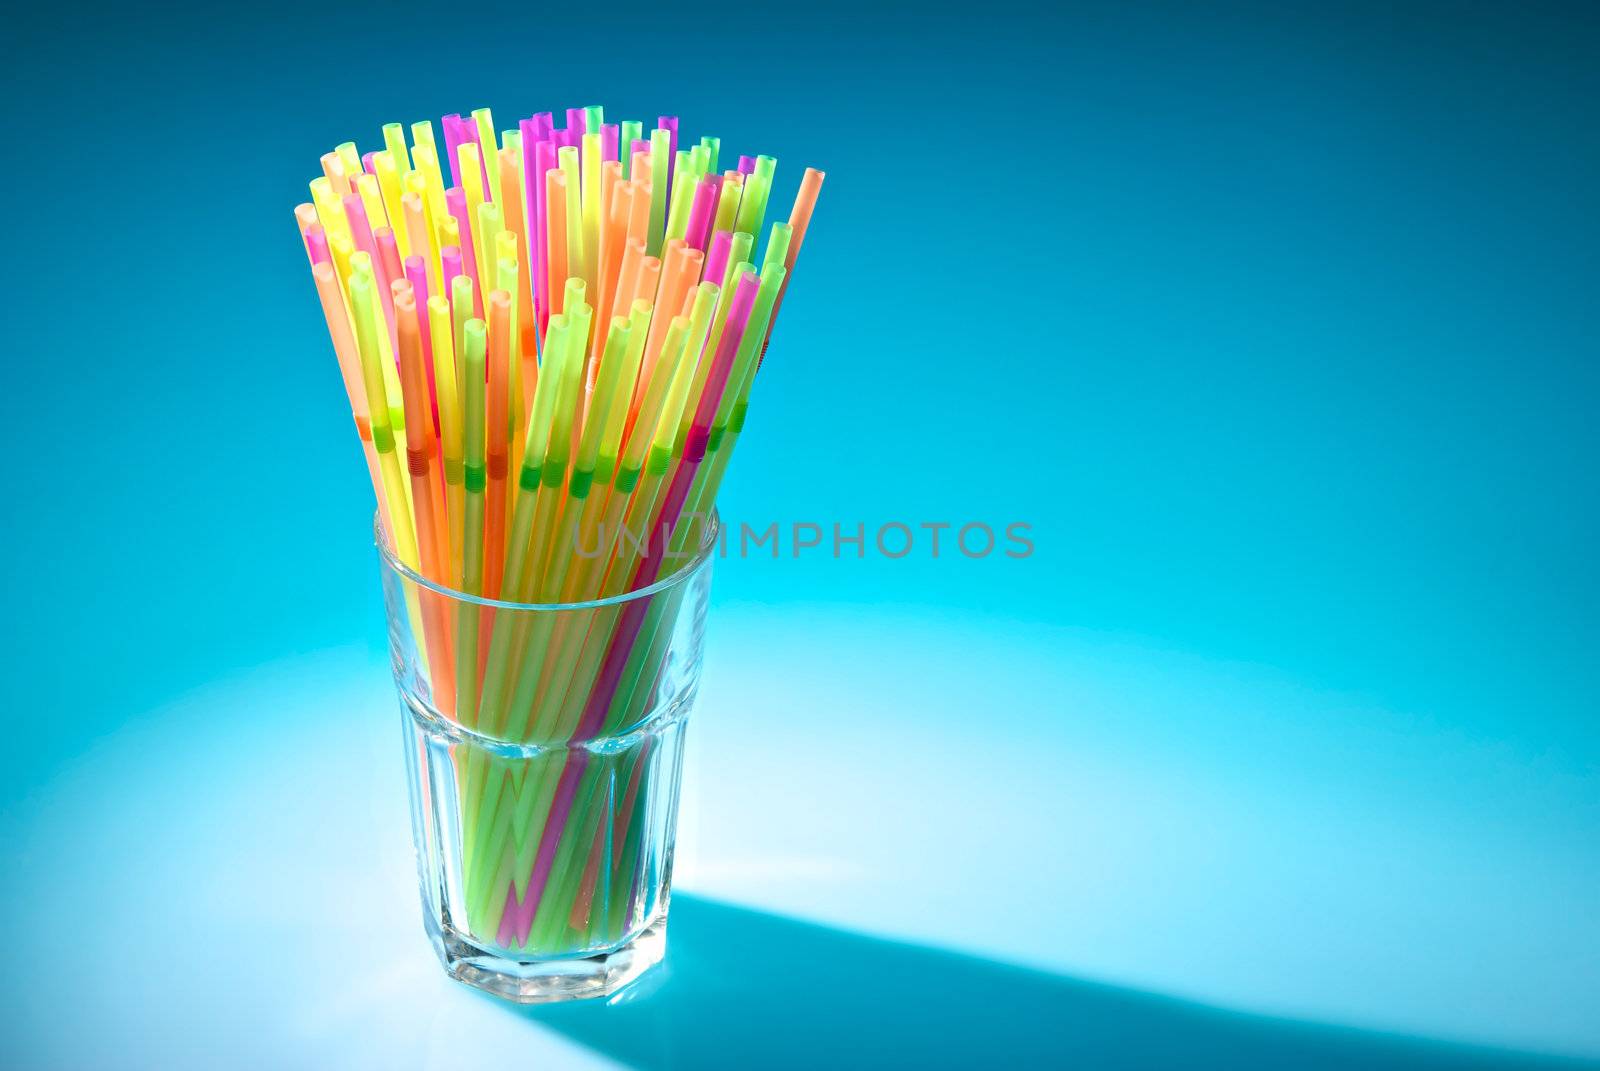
(703,213)
(417,275)
(747,165)
(452,139)
(455,201)
(317,245)
(545,154)
(717,258)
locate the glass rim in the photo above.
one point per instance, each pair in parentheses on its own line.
(702,555)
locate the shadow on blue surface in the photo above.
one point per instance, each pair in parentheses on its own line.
(745,989)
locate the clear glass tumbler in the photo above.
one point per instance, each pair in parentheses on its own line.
(544,745)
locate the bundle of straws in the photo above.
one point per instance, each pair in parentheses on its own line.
(561,346)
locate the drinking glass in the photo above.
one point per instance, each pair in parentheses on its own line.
(544,746)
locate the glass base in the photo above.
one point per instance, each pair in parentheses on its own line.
(550,980)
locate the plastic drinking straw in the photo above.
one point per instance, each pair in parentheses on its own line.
(344,348)
(349,158)
(514,219)
(628,133)
(416,273)
(713,146)
(528,147)
(728,198)
(366,187)
(544,163)
(556,254)
(753,202)
(613,236)
(317,245)
(716,264)
(441,339)
(388,179)
(497,425)
(577,264)
(476,196)
(452,143)
(456,203)
(660,187)
(364,308)
(305,217)
(508,278)
(698,229)
(669,123)
(486,150)
(805,202)
(427,493)
(333,170)
(433,185)
(590,168)
(474,480)
(416,229)
(394,143)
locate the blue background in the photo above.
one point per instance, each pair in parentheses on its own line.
(1276,323)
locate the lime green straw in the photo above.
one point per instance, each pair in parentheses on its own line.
(364,303)
(660,150)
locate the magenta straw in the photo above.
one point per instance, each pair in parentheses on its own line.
(577,123)
(543,123)
(317,245)
(449,268)
(360,229)
(367,165)
(535,183)
(609,133)
(545,154)
(703,213)
(452,140)
(455,201)
(717,258)
(417,275)
(747,165)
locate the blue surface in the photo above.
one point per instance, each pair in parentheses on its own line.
(1274,321)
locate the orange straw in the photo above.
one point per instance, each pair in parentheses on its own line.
(556,210)
(497,447)
(427,492)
